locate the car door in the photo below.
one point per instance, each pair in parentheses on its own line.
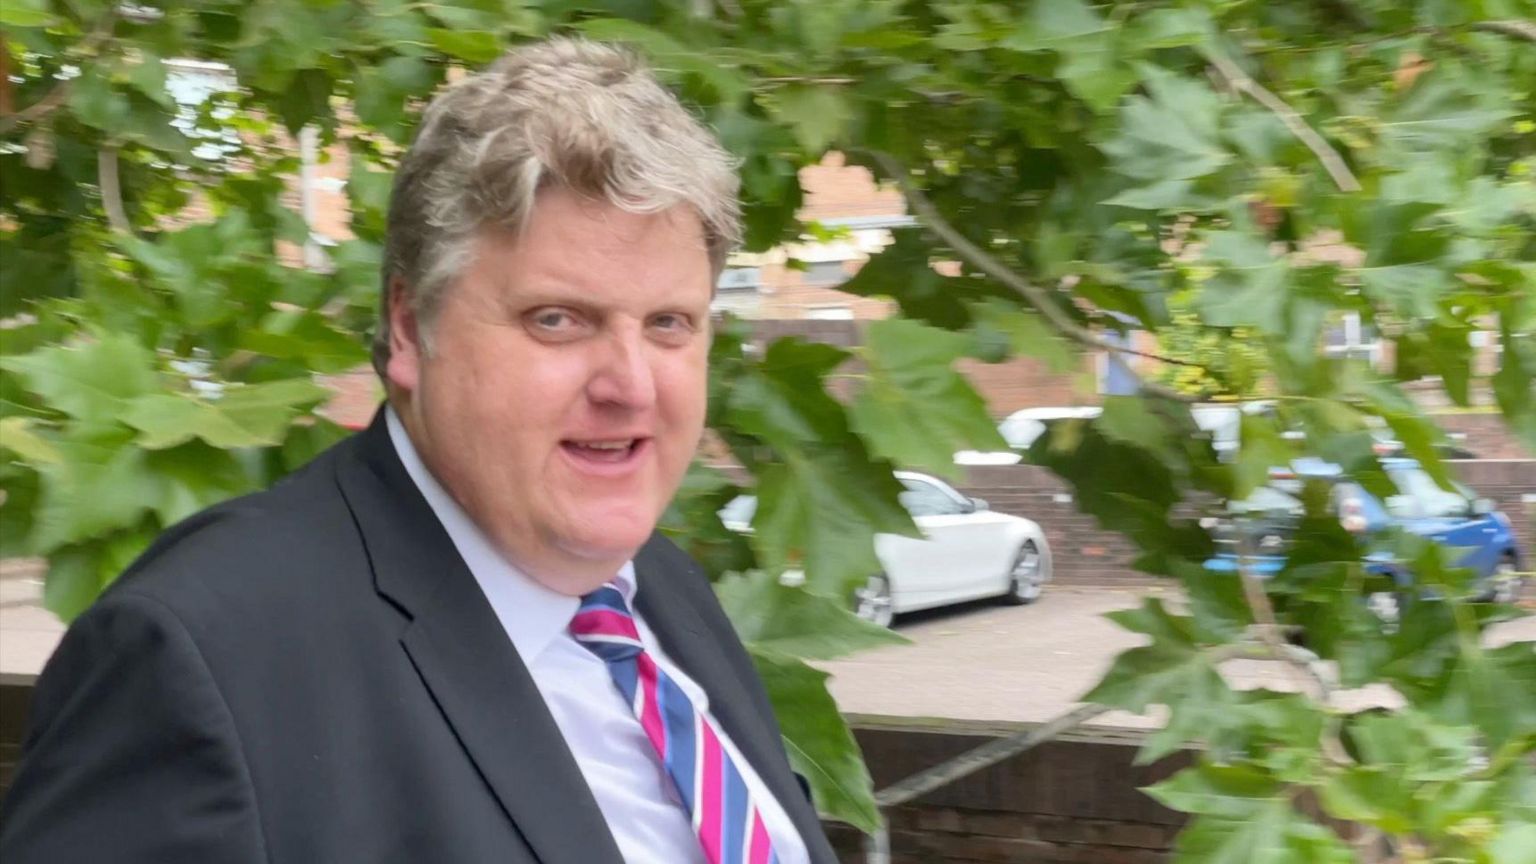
(1446,516)
(954,560)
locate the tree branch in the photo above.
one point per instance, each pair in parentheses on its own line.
(1302,663)
(997,750)
(1243,83)
(60,92)
(988,264)
(37,110)
(112,190)
(1514,27)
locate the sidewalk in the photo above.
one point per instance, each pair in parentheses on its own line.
(979,662)
(28,632)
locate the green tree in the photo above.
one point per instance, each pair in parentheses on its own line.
(1261,167)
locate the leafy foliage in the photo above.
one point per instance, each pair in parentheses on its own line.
(1207,172)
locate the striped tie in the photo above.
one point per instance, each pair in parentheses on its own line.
(728,824)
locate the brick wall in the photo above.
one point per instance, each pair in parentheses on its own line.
(14,699)
(1082,552)
(1074,800)
(1487,435)
(1507,482)
(834,189)
(1070,801)
(1025,382)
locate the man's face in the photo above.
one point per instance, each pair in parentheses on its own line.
(564,394)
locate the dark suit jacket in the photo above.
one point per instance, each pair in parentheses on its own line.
(311,674)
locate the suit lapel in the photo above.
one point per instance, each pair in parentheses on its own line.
(672,609)
(466,661)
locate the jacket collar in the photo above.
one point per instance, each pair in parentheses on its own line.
(466,661)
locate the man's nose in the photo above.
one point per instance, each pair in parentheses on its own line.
(622,375)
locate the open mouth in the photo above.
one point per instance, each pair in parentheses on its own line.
(615,451)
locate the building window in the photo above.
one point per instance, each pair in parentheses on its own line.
(830,312)
(740,279)
(1352,338)
(824,273)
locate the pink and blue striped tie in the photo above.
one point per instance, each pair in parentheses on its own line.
(727,822)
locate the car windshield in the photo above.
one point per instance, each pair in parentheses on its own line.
(1422,497)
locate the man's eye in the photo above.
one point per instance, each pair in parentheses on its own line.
(672,322)
(553,320)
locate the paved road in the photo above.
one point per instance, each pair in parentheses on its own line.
(979,662)
(1032,663)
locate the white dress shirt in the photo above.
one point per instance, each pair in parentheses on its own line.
(625,773)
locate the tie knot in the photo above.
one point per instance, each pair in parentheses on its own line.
(603,624)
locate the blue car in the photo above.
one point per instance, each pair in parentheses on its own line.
(1454,518)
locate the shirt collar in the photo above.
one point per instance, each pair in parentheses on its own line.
(532,614)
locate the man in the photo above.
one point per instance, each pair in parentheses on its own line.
(456,637)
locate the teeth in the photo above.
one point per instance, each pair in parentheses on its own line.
(605,445)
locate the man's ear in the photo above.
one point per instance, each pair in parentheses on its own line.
(405,348)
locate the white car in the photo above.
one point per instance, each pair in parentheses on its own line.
(967,552)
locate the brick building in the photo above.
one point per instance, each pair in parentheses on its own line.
(783,299)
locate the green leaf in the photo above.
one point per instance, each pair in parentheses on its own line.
(101,484)
(792,621)
(821,497)
(1053,21)
(194,477)
(90,380)
(306,99)
(1155,674)
(1231,791)
(1370,794)
(1130,419)
(74,580)
(149,78)
(300,334)
(785,402)
(1412,289)
(1023,332)
(1440,112)
(1273,834)
(1252,287)
(166,420)
(1262,450)
(368,192)
(1514,844)
(1171,28)
(819,511)
(1514,385)
(477,47)
(693,521)
(26,13)
(821,748)
(914,408)
(670,56)
(818,114)
(16,435)
(1170,136)
(903,271)
(1160,195)
(252,415)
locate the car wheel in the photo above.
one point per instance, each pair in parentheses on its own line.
(1506,584)
(1027,578)
(872,601)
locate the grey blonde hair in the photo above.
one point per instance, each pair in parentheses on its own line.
(564,112)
